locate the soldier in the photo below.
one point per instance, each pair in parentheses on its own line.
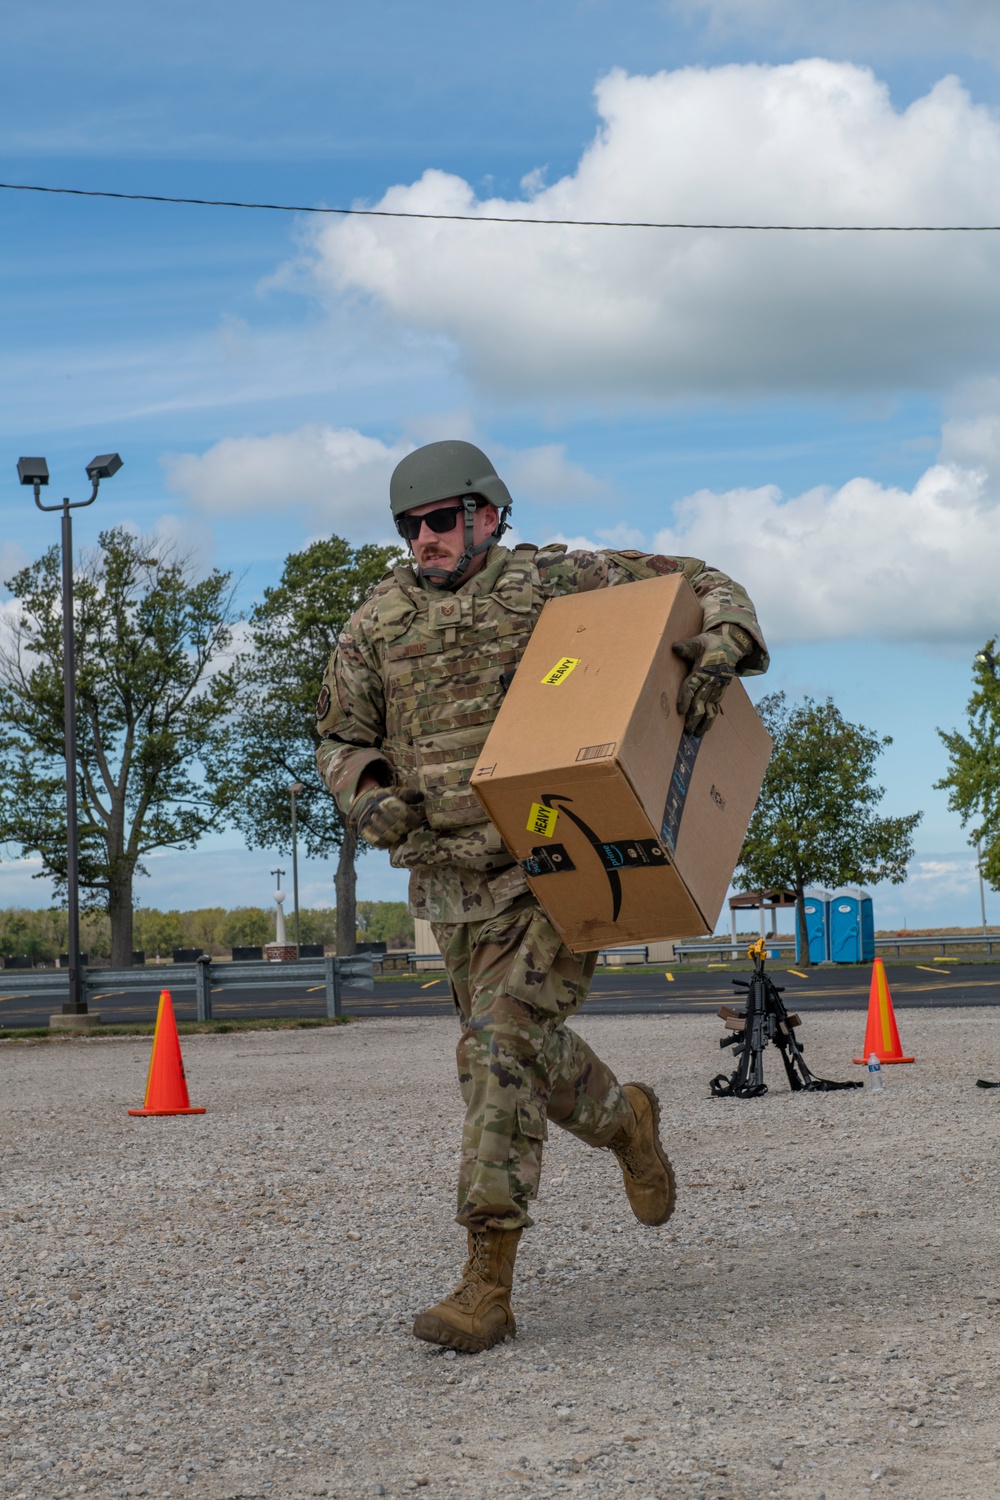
(406,705)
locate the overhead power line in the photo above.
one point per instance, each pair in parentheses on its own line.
(399,213)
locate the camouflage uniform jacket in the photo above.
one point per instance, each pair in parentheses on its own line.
(415,684)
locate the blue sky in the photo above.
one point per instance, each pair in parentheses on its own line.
(818,416)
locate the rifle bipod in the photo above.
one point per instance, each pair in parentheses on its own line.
(764,1020)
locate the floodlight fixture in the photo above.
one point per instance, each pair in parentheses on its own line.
(103,466)
(985,658)
(35,472)
(32,471)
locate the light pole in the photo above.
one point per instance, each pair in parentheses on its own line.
(982,890)
(293,792)
(35,471)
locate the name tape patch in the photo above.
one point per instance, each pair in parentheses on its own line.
(560,671)
(542,820)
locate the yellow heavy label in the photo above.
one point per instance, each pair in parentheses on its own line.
(542,820)
(560,671)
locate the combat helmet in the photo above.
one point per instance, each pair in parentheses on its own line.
(442,471)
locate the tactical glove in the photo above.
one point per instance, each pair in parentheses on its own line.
(715,655)
(383,815)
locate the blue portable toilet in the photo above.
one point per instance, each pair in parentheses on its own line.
(817,904)
(852,928)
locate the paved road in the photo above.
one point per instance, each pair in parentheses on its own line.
(613,993)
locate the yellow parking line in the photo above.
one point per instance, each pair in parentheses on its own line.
(14,997)
(669,977)
(797,974)
(430,985)
(314,988)
(925,970)
(108,995)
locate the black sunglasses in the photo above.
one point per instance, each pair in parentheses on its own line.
(438,520)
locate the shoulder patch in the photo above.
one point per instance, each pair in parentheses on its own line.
(659,563)
(323,702)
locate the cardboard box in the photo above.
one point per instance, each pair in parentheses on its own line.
(628,829)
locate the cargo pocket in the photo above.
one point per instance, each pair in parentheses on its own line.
(544,973)
(531,1120)
(524,1166)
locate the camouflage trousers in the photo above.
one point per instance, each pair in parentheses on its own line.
(519,1064)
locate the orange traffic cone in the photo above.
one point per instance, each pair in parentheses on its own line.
(881,1036)
(166,1086)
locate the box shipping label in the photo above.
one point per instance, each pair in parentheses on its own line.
(560,671)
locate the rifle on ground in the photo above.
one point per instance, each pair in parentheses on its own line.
(764,1020)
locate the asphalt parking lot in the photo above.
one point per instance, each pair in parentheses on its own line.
(614,992)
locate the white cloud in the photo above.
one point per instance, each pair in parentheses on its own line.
(936,881)
(192,539)
(11,620)
(12,558)
(972,436)
(339,478)
(544,474)
(620,313)
(187,538)
(862,560)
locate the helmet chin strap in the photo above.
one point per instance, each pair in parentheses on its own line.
(451,578)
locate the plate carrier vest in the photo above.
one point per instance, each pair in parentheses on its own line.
(444,660)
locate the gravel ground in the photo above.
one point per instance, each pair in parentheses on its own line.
(220,1305)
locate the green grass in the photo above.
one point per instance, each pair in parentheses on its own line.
(186,1028)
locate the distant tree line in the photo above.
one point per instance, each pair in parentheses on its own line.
(42,935)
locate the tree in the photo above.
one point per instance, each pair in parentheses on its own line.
(386,922)
(158,932)
(151,643)
(247,927)
(271,742)
(973,779)
(815,821)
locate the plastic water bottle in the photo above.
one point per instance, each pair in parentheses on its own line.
(875,1082)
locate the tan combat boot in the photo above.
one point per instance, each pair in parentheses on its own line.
(649,1177)
(477,1315)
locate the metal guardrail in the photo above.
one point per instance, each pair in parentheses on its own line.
(942,940)
(637,953)
(413,959)
(353,974)
(606,956)
(731,950)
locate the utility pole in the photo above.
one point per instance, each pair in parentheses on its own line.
(982,889)
(35,471)
(293,792)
